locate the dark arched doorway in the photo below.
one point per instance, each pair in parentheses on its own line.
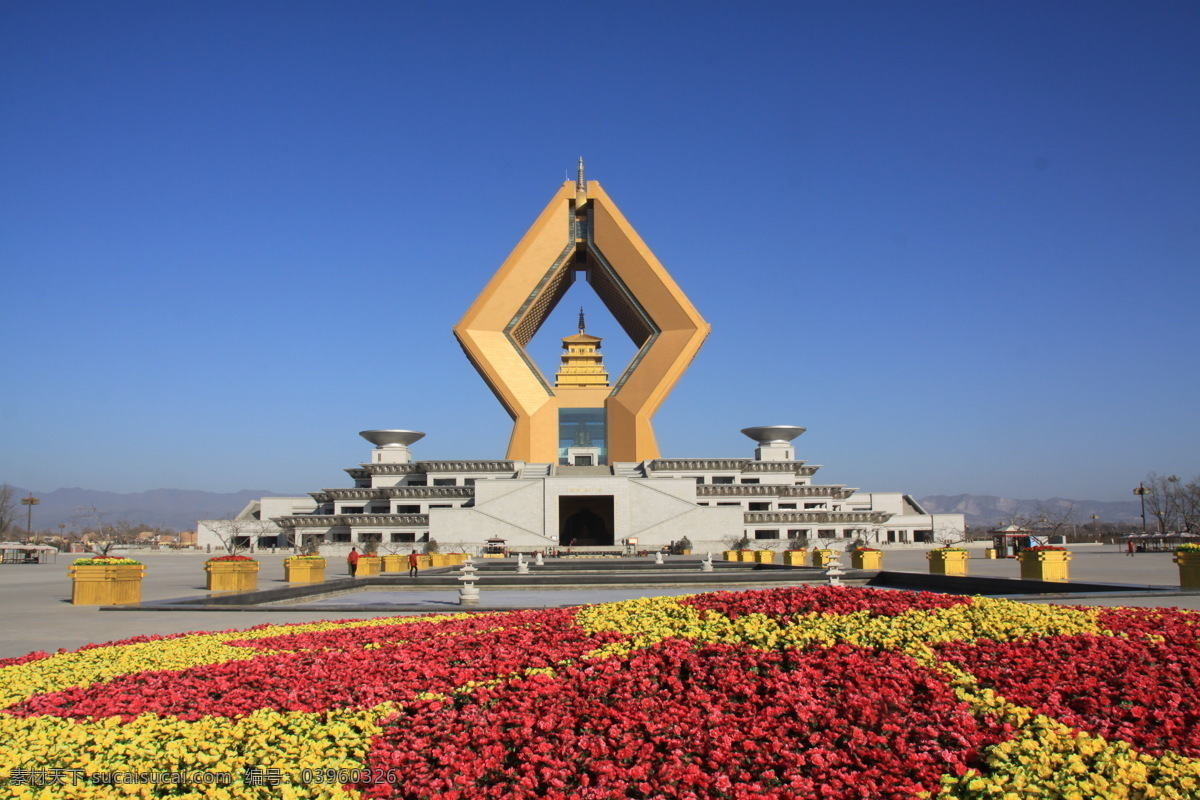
(585,521)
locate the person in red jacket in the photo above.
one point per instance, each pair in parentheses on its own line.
(352,560)
(413,561)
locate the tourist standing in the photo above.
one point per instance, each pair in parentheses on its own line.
(413,561)
(352,561)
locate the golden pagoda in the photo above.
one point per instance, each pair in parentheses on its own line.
(582,364)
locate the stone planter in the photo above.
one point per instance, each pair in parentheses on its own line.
(764,556)
(394,563)
(368,565)
(685,551)
(746,555)
(1044,565)
(304,571)
(732,555)
(231,576)
(1189,568)
(947,562)
(866,559)
(795,558)
(821,558)
(103,585)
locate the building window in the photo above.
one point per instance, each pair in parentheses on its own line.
(441,506)
(749,481)
(766,534)
(722,479)
(341,537)
(418,480)
(739,505)
(582,427)
(445,482)
(379,509)
(370,537)
(760,506)
(352,509)
(408,509)
(404,537)
(784,506)
(814,505)
(468,481)
(827,533)
(700,481)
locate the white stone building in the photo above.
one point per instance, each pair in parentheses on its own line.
(399,503)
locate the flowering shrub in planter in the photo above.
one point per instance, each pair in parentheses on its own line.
(948,560)
(106,580)
(829,692)
(304,569)
(232,573)
(1044,563)
(1187,556)
(866,558)
(821,557)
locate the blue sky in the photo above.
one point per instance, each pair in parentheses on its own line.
(959,242)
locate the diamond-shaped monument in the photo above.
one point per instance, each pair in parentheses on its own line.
(581,232)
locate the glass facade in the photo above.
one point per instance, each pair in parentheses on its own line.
(582,427)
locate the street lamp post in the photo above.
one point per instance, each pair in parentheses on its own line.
(29,503)
(1141,492)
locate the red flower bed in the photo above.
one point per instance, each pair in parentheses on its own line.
(716,721)
(1119,688)
(782,604)
(339,673)
(1174,626)
(230,558)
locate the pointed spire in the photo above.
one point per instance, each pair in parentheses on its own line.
(581,325)
(580,186)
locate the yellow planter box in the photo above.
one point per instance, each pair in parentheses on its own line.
(438,560)
(732,555)
(368,565)
(821,558)
(866,559)
(746,555)
(231,576)
(1044,565)
(305,571)
(106,585)
(425,561)
(795,558)
(394,563)
(1189,568)
(457,558)
(947,562)
(764,556)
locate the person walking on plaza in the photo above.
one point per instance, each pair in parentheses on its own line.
(352,560)
(413,561)
(1129,550)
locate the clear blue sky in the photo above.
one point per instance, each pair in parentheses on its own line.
(958,241)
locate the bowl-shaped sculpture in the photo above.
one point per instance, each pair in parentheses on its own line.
(392,438)
(777,434)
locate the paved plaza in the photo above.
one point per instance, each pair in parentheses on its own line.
(39,616)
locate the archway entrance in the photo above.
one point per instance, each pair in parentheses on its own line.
(585,521)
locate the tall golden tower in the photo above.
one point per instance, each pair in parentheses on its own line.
(581,232)
(582,363)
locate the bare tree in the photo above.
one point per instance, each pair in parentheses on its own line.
(238,533)
(1173,503)
(103,537)
(8,510)
(1052,520)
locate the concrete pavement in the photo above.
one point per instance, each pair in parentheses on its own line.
(38,614)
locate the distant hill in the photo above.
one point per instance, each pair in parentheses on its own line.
(180,508)
(986,510)
(172,508)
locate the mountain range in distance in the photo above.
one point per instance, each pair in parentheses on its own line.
(180,508)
